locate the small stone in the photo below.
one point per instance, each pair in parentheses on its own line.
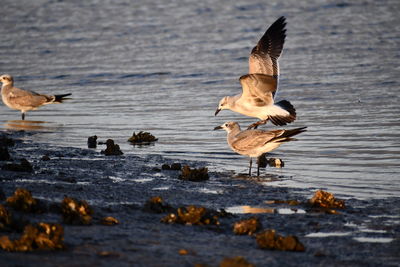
(176,166)
(92,141)
(192,215)
(183,252)
(112,149)
(247,226)
(157,205)
(109,221)
(142,138)
(194,175)
(46,158)
(165,167)
(268,239)
(323,199)
(235,262)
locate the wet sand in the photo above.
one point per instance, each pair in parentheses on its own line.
(365,233)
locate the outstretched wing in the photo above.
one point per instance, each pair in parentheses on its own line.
(258,89)
(252,139)
(264,56)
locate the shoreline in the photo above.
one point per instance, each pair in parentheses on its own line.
(119,186)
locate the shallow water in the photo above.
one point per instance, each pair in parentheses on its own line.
(162,67)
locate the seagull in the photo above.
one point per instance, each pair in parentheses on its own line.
(261,84)
(254,143)
(25,100)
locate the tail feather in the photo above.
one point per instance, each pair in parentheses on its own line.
(283,120)
(60,98)
(288,134)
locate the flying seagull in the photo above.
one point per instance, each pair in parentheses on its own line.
(25,100)
(254,143)
(261,84)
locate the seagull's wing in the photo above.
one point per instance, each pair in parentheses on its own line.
(28,98)
(264,56)
(258,89)
(252,139)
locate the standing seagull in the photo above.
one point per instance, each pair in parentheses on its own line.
(254,143)
(260,85)
(24,100)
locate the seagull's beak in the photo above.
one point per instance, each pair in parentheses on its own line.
(218,128)
(217,111)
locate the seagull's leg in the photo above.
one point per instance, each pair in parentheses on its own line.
(23,115)
(256,124)
(251,162)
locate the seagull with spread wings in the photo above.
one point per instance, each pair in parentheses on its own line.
(25,100)
(260,85)
(254,143)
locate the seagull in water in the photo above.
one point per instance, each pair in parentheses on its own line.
(254,143)
(260,85)
(25,100)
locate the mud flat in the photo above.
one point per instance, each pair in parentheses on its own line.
(125,231)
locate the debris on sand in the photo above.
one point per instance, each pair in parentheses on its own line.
(247,226)
(268,239)
(76,212)
(291,202)
(5,218)
(22,200)
(194,175)
(142,138)
(157,205)
(92,141)
(237,261)
(109,221)
(173,167)
(41,236)
(326,200)
(192,215)
(112,149)
(275,162)
(24,166)
(4,155)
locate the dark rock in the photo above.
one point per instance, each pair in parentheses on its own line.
(112,149)
(192,215)
(235,262)
(247,226)
(165,167)
(4,155)
(5,141)
(109,221)
(268,239)
(194,175)
(176,166)
(92,141)
(76,212)
(157,205)
(275,162)
(326,200)
(22,200)
(24,166)
(46,158)
(41,236)
(142,138)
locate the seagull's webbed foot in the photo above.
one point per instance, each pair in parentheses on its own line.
(256,124)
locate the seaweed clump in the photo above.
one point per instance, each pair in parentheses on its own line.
(24,166)
(268,239)
(194,175)
(5,218)
(157,205)
(326,200)
(235,262)
(22,200)
(192,215)
(142,138)
(112,149)
(41,236)
(247,226)
(76,212)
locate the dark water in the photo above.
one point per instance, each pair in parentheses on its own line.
(162,67)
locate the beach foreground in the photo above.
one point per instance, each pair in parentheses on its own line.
(364,233)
